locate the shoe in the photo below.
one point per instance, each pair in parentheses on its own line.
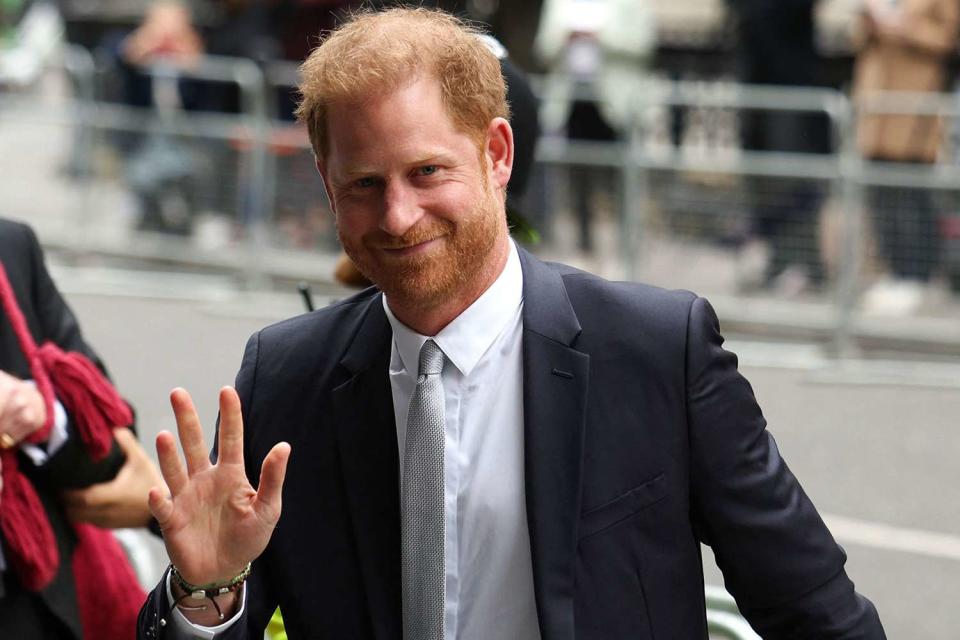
(792,282)
(752,262)
(894,297)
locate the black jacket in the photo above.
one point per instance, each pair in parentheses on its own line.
(641,441)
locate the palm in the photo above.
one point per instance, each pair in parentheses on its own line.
(214,521)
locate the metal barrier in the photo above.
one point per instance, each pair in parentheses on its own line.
(649,169)
(723,616)
(679,207)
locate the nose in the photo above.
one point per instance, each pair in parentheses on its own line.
(401,209)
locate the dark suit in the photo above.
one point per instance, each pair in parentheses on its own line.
(53,613)
(641,441)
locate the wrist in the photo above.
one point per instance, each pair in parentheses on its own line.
(210,603)
(204,613)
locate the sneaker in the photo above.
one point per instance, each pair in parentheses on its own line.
(894,297)
(751,265)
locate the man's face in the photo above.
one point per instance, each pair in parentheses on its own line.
(415,205)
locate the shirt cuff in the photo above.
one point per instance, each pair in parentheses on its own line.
(186,629)
(40,453)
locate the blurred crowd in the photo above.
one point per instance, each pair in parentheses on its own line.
(588,61)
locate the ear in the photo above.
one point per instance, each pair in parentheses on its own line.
(499,151)
(322,170)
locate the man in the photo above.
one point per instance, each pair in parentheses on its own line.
(71,487)
(487,446)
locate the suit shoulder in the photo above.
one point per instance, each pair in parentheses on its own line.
(13,227)
(610,296)
(645,326)
(15,235)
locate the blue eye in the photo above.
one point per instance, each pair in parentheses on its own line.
(429,170)
(365,182)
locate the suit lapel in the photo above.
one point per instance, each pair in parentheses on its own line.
(367,439)
(555,378)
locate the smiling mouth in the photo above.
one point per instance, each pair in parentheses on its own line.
(411,249)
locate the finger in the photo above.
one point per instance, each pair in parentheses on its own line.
(101,495)
(75,498)
(27,410)
(170,466)
(160,505)
(230,435)
(274,470)
(6,389)
(14,418)
(72,499)
(127,441)
(190,431)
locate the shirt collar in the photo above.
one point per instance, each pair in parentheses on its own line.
(469,335)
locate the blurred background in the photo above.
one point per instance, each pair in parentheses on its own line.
(795,161)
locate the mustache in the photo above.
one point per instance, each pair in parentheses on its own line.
(427,230)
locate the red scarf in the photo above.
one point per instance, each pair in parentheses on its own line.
(108,594)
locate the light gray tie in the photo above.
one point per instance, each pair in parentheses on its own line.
(422,503)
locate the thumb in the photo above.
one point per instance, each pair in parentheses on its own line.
(127,441)
(161,506)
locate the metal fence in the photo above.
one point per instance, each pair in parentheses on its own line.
(829,226)
(804,234)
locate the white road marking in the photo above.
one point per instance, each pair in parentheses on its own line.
(890,538)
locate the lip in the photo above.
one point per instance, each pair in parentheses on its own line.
(413,249)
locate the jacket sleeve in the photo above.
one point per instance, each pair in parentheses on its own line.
(58,324)
(70,467)
(777,556)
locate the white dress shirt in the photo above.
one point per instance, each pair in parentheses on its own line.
(489,584)
(489,574)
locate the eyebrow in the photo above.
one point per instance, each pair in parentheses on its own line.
(426,159)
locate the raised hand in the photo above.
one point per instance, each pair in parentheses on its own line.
(213,521)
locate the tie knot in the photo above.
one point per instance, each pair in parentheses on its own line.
(431,359)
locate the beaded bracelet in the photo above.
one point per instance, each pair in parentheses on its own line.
(206,591)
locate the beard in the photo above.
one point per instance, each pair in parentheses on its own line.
(430,279)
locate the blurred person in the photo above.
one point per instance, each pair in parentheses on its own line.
(80,586)
(903,45)
(181,33)
(485,445)
(776,47)
(601,46)
(165,173)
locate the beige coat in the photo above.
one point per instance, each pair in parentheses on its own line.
(913,59)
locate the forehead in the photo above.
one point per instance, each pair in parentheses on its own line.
(411,120)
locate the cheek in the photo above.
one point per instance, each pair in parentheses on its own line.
(354,221)
(454,203)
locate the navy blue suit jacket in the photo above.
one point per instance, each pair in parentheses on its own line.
(641,441)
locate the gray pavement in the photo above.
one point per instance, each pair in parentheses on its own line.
(879,459)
